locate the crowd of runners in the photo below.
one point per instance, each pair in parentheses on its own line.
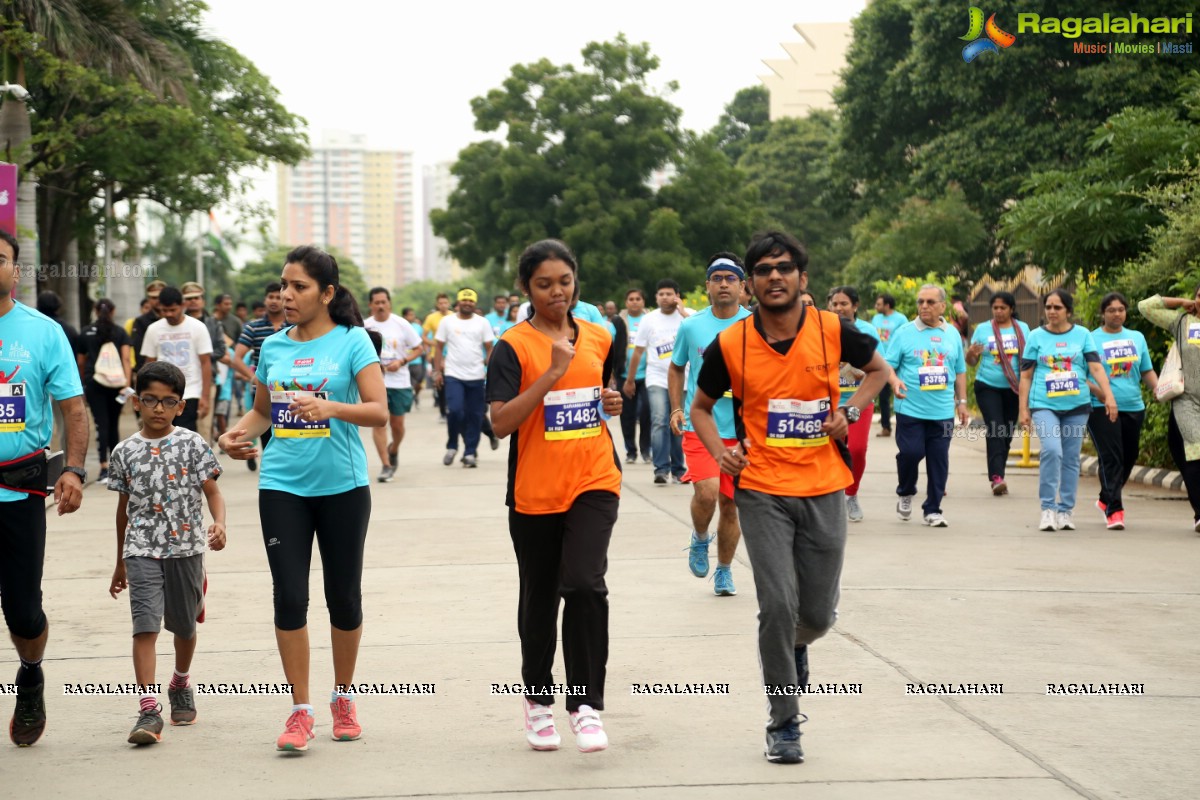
(763,401)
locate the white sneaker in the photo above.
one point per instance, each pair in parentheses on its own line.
(588,729)
(854,511)
(448,459)
(1064,522)
(936,520)
(904,506)
(1049,520)
(539,726)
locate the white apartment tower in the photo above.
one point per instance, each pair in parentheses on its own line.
(437,184)
(357,200)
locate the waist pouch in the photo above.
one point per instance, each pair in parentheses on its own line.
(27,474)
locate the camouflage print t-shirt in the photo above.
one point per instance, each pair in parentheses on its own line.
(163,478)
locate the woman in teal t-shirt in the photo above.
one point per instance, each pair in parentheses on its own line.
(318,382)
(996,347)
(1056,402)
(1126,359)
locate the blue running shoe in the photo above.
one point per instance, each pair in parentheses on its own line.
(698,556)
(723,582)
(783,745)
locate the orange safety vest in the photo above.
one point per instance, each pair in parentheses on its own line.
(784,399)
(563,447)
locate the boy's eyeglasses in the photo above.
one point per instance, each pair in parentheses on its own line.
(725,279)
(765,270)
(152,402)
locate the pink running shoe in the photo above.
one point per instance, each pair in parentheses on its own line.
(297,732)
(345,720)
(539,726)
(589,730)
(1116,521)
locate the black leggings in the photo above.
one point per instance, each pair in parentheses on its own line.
(1190,469)
(565,555)
(999,408)
(107,413)
(339,521)
(1117,444)
(22,553)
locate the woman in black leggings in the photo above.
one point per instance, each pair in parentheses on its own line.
(317,382)
(101,399)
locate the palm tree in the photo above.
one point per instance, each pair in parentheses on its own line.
(110,35)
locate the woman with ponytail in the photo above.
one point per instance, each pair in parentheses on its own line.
(103,398)
(318,382)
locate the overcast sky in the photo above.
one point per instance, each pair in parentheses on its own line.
(405,76)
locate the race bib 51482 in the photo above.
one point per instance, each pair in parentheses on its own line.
(572,413)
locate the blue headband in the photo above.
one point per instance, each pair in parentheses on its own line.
(725,265)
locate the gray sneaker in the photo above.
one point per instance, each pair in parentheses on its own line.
(904,507)
(853,509)
(183,706)
(387,473)
(448,459)
(148,729)
(469,462)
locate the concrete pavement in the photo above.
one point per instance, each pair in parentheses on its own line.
(989,600)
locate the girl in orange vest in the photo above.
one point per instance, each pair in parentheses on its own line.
(547,385)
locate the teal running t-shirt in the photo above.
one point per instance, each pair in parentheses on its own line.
(695,334)
(314,458)
(1125,357)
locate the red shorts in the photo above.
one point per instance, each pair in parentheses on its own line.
(701,466)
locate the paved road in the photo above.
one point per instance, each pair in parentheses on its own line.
(989,600)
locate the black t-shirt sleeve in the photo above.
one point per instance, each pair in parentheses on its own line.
(503,373)
(857,347)
(620,343)
(714,378)
(609,364)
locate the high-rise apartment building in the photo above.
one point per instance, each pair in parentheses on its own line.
(437,184)
(357,200)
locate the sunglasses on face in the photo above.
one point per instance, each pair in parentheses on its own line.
(152,403)
(783,268)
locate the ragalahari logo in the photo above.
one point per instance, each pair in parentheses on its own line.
(992,42)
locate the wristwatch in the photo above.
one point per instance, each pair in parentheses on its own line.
(852,413)
(80,472)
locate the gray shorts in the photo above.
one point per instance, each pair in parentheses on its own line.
(165,589)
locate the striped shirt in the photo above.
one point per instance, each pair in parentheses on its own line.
(254,334)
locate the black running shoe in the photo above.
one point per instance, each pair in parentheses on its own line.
(29,719)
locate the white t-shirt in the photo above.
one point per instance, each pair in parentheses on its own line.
(181,345)
(398,338)
(656,333)
(463,351)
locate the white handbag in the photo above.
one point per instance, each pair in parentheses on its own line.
(1170,378)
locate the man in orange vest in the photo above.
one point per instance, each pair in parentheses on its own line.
(790,463)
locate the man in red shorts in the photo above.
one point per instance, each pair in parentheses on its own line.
(724,281)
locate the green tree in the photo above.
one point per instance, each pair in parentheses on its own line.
(718,208)
(915,117)
(579,146)
(790,166)
(182,148)
(744,121)
(1103,211)
(253,277)
(937,236)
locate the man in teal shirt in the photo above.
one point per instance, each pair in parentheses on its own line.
(725,278)
(36,362)
(931,389)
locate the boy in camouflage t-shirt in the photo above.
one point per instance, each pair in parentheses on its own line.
(161,472)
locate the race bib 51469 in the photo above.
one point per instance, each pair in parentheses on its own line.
(797,423)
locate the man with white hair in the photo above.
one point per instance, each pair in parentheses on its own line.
(931,389)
